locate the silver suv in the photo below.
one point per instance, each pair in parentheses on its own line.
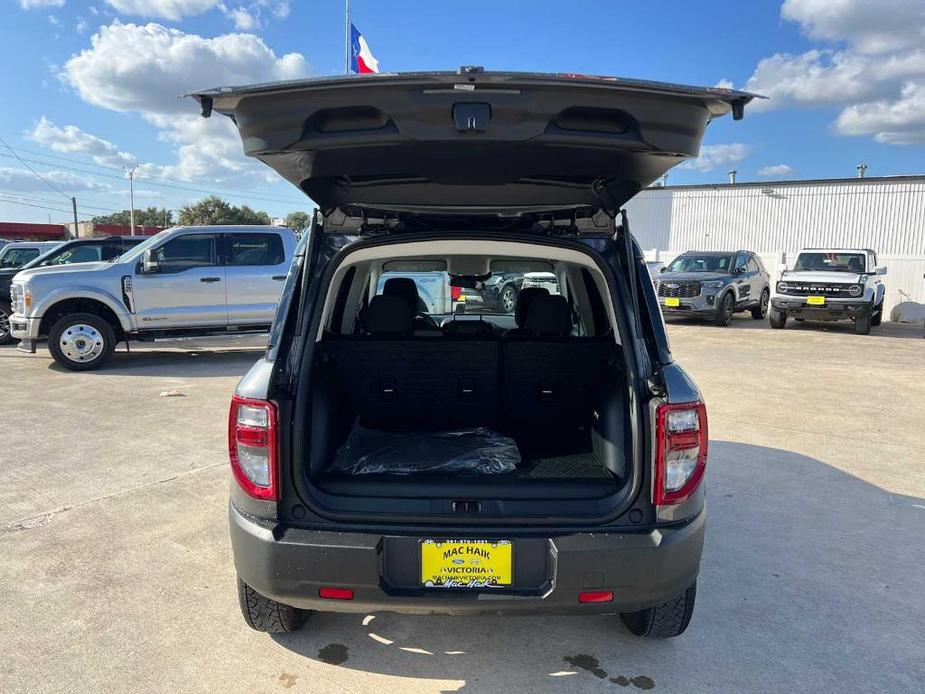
(714,285)
(831,284)
(185,281)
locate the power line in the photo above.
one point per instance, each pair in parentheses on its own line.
(150,178)
(37,198)
(43,207)
(36,173)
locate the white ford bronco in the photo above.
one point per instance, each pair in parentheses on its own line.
(831,284)
(182,282)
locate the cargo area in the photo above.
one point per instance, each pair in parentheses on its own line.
(473,407)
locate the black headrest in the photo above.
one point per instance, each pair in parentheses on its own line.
(524,299)
(387,315)
(468,327)
(405,288)
(549,315)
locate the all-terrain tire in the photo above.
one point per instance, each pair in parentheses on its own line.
(875,319)
(725,310)
(862,324)
(777,319)
(5,337)
(265,614)
(760,311)
(663,621)
(81,341)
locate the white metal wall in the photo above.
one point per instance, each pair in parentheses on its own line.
(777,220)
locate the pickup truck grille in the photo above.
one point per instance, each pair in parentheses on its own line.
(681,290)
(827,289)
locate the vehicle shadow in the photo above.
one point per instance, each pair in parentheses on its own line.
(746,322)
(811,580)
(172,363)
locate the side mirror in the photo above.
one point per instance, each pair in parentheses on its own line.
(663,268)
(880,270)
(149,265)
(782,267)
(742,269)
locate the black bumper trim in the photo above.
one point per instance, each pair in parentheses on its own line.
(290,565)
(798,308)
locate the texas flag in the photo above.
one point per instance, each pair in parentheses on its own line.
(361,58)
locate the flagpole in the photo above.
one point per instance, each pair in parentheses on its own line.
(347,37)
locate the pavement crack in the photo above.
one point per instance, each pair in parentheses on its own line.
(42,519)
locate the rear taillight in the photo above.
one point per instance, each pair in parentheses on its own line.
(252,447)
(681,451)
(455,293)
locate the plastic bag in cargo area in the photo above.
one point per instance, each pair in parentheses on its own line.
(474,451)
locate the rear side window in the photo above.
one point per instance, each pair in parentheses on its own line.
(186,252)
(17,257)
(752,265)
(254,249)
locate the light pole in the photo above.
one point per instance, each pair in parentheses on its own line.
(131,192)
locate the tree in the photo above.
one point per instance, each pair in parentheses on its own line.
(298,221)
(148,217)
(214,210)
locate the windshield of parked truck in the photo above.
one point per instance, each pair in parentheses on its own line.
(700,263)
(139,250)
(831,262)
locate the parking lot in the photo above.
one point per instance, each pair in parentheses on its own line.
(117,573)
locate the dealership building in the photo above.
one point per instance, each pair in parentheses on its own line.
(777,219)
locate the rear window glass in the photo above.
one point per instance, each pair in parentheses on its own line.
(78,254)
(17,257)
(837,262)
(255,249)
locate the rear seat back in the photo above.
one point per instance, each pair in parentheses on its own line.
(550,379)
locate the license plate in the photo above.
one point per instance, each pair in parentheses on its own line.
(672,302)
(816,300)
(466,563)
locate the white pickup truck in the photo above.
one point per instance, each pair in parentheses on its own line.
(831,284)
(182,282)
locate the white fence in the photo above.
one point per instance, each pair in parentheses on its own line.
(905,279)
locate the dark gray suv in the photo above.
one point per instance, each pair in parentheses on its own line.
(388,460)
(714,285)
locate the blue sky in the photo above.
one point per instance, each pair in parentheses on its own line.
(90,86)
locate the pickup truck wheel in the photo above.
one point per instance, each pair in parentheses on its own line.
(875,319)
(81,341)
(508,299)
(264,614)
(777,319)
(761,310)
(663,621)
(5,337)
(862,324)
(725,310)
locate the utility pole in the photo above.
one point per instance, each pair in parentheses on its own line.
(74,208)
(347,38)
(131,192)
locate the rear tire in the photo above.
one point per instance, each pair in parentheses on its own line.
(508,299)
(265,614)
(862,324)
(663,621)
(777,319)
(761,310)
(81,341)
(5,337)
(725,311)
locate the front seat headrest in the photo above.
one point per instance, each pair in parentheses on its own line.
(549,316)
(406,289)
(524,299)
(388,315)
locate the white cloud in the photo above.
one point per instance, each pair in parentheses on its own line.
(870,26)
(24,181)
(37,4)
(53,20)
(73,140)
(776,170)
(174,10)
(724,84)
(81,26)
(243,20)
(713,156)
(144,68)
(898,121)
(877,78)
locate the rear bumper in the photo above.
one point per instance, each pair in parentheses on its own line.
(833,309)
(291,564)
